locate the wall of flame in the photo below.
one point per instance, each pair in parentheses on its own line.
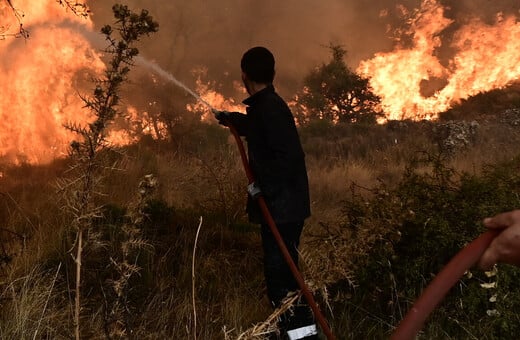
(437,60)
(483,57)
(41,79)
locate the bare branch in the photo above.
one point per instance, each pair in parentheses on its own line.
(22,32)
(78,8)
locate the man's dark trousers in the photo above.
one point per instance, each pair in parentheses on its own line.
(278,276)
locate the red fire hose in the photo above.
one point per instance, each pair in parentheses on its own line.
(433,294)
(440,285)
(272,225)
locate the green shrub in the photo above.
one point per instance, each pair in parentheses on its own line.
(414,230)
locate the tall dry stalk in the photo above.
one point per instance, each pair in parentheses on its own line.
(86,173)
(124,261)
(193,281)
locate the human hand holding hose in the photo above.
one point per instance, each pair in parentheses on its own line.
(223,117)
(435,292)
(505,248)
(500,244)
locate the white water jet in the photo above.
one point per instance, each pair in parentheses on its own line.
(168,76)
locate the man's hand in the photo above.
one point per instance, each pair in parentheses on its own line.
(222,117)
(505,248)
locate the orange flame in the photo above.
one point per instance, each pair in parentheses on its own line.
(217,101)
(486,57)
(42,78)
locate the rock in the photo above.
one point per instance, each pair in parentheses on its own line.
(511,117)
(455,135)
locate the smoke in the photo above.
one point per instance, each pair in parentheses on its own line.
(485,10)
(214,34)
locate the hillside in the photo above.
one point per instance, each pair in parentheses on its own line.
(351,167)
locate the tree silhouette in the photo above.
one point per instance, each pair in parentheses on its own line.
(334,92)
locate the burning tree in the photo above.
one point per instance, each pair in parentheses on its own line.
(334,92)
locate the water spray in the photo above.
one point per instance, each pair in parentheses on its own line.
(260,199)
(168,76)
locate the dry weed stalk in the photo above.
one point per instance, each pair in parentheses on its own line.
(28,305)
(125,264)
(87,171)
(270,325)
(193,281)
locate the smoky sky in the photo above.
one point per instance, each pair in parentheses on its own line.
(215,34)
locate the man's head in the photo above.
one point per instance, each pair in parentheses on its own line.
(258,65)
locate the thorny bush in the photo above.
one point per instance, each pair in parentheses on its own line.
(400,238)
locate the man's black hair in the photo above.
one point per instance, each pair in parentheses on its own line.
(258,64)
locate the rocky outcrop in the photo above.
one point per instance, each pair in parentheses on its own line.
(455,135)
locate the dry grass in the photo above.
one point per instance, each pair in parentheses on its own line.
(263,329)
(30,309)
(230,296)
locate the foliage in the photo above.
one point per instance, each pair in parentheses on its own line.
(404,236)
(83,185)
(126,248)
(369,243)
(336,93)
(488,103)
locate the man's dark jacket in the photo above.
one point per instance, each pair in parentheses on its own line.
(275,156)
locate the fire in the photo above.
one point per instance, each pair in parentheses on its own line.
(42,79)
(215,99)
(485,57)
(145,123)
(43,76)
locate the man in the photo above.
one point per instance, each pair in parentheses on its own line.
(505,248)
(277,161)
